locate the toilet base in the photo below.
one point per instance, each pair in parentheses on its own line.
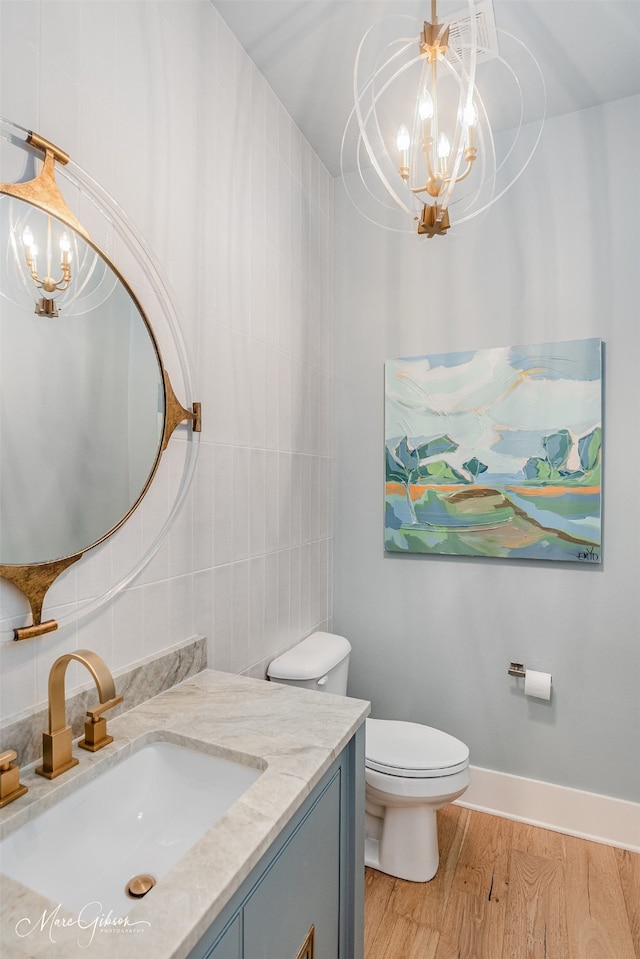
(401,828)
(408,844)
(372,853)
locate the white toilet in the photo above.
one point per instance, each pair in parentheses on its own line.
(411,770)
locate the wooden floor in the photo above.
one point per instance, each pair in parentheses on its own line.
(505,890)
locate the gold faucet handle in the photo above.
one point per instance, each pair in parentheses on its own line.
(6,758)
(95,728)
(10,786)
(95,714)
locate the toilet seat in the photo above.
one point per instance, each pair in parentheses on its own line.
(413,751)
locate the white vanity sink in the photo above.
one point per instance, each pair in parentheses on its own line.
(139,816)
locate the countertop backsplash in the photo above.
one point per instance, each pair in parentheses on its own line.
(135,684)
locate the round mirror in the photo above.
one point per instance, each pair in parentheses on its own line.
(82,405)
(87,407)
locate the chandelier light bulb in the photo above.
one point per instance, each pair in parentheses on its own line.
(27,238)
(470,115)
(403,140)
(444,147)
(425,107)
(65,243)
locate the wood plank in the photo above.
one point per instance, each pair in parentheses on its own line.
(597,920)
(473,924)
(535,921)
(629,870)
(483,863)
(404,939)
(426,902)
(473,928)
(377,892)
(537,841)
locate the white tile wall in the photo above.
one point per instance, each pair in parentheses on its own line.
(159,103)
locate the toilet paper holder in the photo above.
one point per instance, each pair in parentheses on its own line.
(517,669)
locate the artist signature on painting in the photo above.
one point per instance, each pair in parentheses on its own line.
(589,554)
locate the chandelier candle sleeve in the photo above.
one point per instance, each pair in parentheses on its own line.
(403,142)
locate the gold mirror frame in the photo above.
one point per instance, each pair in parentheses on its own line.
(34,579)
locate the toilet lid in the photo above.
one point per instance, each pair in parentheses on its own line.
(412,750)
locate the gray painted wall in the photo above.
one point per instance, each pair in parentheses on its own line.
(555,259)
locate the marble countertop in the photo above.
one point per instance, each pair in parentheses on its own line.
(292,734)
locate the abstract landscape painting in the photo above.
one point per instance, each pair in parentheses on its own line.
(496,452)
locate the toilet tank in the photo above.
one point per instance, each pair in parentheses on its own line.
(320,662)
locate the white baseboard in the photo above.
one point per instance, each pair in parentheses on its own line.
(560,808)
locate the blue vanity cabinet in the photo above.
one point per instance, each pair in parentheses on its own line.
(305,898)
(229,945)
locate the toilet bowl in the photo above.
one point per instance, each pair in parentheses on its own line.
(411,770)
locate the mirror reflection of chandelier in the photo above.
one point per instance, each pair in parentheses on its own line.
(50,266)
(449,162)
(47,265)
(46,305)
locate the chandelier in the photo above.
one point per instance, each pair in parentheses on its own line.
(418,151)
(47,263)
(46,305)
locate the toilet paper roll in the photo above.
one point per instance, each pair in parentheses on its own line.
(537,684)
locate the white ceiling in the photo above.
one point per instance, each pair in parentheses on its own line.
(588,50)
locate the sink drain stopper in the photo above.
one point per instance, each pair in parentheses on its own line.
(139,886)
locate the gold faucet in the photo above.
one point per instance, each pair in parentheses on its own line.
(56,744)
(10,786)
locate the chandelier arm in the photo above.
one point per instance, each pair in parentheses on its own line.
(488,182)
(466,173)
(427,152)
(47,284)
(459,179)
(32,270)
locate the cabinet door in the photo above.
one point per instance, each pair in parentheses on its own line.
(301,889)
(230,946)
